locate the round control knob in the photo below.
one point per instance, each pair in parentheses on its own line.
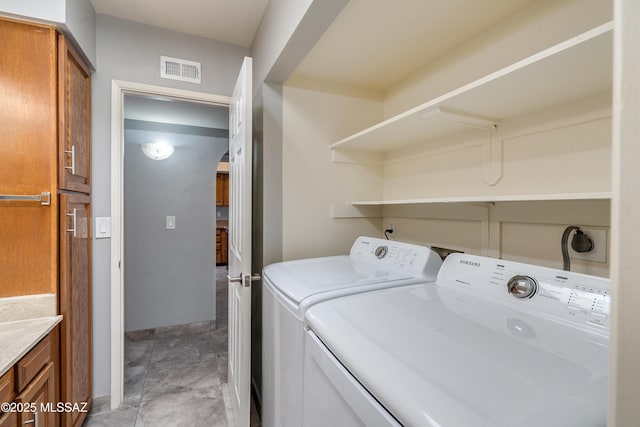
(381,252)
(522,286)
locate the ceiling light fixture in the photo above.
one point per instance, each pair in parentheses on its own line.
(157,150)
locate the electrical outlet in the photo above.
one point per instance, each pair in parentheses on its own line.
(391,225)
(599,251)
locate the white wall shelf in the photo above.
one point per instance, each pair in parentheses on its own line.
(576,68)
(371,208)
(488,199)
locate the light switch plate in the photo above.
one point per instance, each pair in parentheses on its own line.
(171,222)
(103,228)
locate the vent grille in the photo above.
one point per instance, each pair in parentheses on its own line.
(180,69)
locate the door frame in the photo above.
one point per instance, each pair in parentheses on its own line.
(119,89)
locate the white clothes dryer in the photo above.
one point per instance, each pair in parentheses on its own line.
(493,343)
(291,287)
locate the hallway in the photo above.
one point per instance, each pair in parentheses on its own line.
(174,376)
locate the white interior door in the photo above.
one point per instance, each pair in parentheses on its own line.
(240,111)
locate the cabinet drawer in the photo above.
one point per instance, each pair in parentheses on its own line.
(39,392)
(7,392)
(29,366)
(9,419)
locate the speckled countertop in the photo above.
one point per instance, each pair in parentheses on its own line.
(24,321)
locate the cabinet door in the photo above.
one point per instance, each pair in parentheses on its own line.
(224,238)
(41,393)
(75,302)
(222,189)
(9,419)
(225,189)
(28,159)
(74,103)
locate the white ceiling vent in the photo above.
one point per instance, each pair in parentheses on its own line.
(180,69)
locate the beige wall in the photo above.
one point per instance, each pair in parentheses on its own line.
(624,373)
(312,183)
(535,28)
(564,149)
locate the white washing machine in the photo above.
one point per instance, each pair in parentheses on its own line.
(493,343)
(291,287)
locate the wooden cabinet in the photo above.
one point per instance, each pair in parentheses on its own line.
(75,302)
(40,392)
(28,149)
(221,246)
(74,106)
(31,386)
(222,189)
(10,419)
(45,149)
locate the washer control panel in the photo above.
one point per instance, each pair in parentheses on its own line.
(414,260)
(562,294)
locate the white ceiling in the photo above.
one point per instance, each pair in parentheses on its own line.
(230,21)
(371,44)
(376,43)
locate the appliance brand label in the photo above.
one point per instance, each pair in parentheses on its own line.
(471,263)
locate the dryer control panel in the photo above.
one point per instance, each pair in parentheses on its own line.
(570,296)
(414,260)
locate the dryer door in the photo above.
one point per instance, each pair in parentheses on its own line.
(332,396)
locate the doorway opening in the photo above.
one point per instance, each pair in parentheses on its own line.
(170,223)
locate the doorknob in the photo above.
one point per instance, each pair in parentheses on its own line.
(245,280)
(235,279)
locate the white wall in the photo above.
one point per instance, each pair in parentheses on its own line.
(564,149)
(624,373)
(537,27)
(170,274)
(312,183)
(131,52)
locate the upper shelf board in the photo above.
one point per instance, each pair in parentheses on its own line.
(571,70)
(490,199)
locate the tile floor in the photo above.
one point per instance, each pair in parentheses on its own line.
(175,376)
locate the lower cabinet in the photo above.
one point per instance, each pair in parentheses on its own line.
(221,246)
(39,398)
(29,389)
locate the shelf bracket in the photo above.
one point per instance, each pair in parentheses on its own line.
(492,147)
(492,164)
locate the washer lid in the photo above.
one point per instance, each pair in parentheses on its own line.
(300,279)
(434,356)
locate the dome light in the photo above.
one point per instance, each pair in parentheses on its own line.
(157,150)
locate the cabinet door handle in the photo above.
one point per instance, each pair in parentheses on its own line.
(73,159)
(35,421)
(74,216)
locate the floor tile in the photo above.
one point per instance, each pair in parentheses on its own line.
(222,362)
(169,332)
(137,353)
(121,417)
(194,347)
(134,379)
(178,376)
(192,408)
(175,376)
